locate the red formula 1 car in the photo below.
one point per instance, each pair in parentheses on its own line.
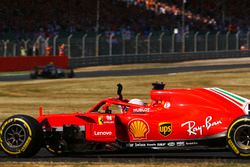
(202,118)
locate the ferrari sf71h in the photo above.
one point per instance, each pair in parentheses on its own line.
(174,119)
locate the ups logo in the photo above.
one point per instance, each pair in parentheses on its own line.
(165,128)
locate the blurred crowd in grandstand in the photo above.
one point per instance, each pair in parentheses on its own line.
(31,18)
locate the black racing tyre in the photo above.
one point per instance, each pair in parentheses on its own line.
(71,73)
(54,73)
(54,144)
(20,136)
(33,75)
(238,136)
(54,147)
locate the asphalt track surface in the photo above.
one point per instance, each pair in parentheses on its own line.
(132,72)
(128,156)
(132,156)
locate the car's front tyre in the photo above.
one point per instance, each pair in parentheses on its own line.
(20,136)
(34,73)
(238,137)
(71,73)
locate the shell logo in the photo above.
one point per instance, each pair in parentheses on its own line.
(138,128)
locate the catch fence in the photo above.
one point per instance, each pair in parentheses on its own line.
(128,47)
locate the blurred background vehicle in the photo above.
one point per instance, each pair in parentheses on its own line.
(51,71)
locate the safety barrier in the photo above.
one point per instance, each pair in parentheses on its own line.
(111,44)
(155,58)
(111,48)
(27,63)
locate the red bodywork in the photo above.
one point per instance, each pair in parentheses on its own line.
(172,115)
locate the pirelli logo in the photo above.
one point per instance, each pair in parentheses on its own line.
(165,128)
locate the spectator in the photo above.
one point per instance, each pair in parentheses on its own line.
(61,50)
(48,18)
(23,51)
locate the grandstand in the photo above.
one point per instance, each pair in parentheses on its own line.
(36,16)
(125,27)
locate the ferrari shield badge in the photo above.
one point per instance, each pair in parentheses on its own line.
(100,121)
(165,128)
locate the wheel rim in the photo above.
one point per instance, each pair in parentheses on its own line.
(242,136)
(15,136)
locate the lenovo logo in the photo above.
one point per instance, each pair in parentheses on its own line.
(104,133)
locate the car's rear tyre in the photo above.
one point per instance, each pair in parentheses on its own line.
(34,73)
(238,137)
(20,136)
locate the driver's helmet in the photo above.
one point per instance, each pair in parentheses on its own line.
(50,66)
(132,101)
(136,101)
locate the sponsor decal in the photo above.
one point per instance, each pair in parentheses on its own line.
(167,105)
(102,133)
(180,143)
(143,145)
(165,128)
(109,118)
(100,120)
(171,144)
(151,144)
(138,128)
(140,144)
(130,145)
(147,144)
(141,109)
(161,144)
(155,144)
(191,143)
(108,122)
(193,129)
